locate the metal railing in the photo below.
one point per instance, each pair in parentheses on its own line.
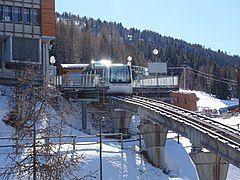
(77,80)
(15,75)
(7,74)
(154,81)
(75,140)
(74,144)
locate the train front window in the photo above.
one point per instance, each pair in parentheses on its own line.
(120,74)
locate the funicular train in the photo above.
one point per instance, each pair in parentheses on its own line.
(117,77)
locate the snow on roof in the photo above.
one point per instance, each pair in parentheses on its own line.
(70,66)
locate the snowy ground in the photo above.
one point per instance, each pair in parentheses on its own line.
(128,163)
(118,163)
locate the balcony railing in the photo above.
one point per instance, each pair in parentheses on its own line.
(7,74)
(78,81)
(151,81)
(20,76)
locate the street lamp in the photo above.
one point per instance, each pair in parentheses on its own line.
(155,52)
(52,60)
(129,60)
(100,134)
(51,71)
(238,86)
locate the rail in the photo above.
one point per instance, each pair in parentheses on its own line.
(205,123)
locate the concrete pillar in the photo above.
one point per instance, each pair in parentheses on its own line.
(210,166)
(10,48)
(154,136)
(40,50)
(84,115)
(7,49)
(45,57)
(121,120)
(2,55)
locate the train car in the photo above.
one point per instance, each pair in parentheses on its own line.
(117,77)
(120,79)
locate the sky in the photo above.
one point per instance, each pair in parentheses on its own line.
(211,23)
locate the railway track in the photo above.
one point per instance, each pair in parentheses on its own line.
(220,131)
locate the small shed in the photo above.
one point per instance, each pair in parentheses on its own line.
(184,100)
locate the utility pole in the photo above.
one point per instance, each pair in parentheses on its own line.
(184,78)
(34,153)
(238,86)
(101,168)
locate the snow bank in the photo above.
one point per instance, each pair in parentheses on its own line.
(209,101)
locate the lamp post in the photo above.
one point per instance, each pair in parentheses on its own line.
(238,86)
(51,71)
(155,52)
(100,134)
(129,60)
(52,60)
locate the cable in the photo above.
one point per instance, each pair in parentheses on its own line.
(214,79)
(207,76)
(200,72)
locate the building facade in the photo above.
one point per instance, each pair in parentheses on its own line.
(27,29)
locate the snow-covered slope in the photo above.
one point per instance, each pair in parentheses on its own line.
(130,164)
(118,164)
(209,101)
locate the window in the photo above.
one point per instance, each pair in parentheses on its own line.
(8,14)
(1,13)
(120,74)
(27,16)
(17,15)
(36,17)
(25,49)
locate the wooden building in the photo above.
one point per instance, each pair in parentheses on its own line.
(184,100)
